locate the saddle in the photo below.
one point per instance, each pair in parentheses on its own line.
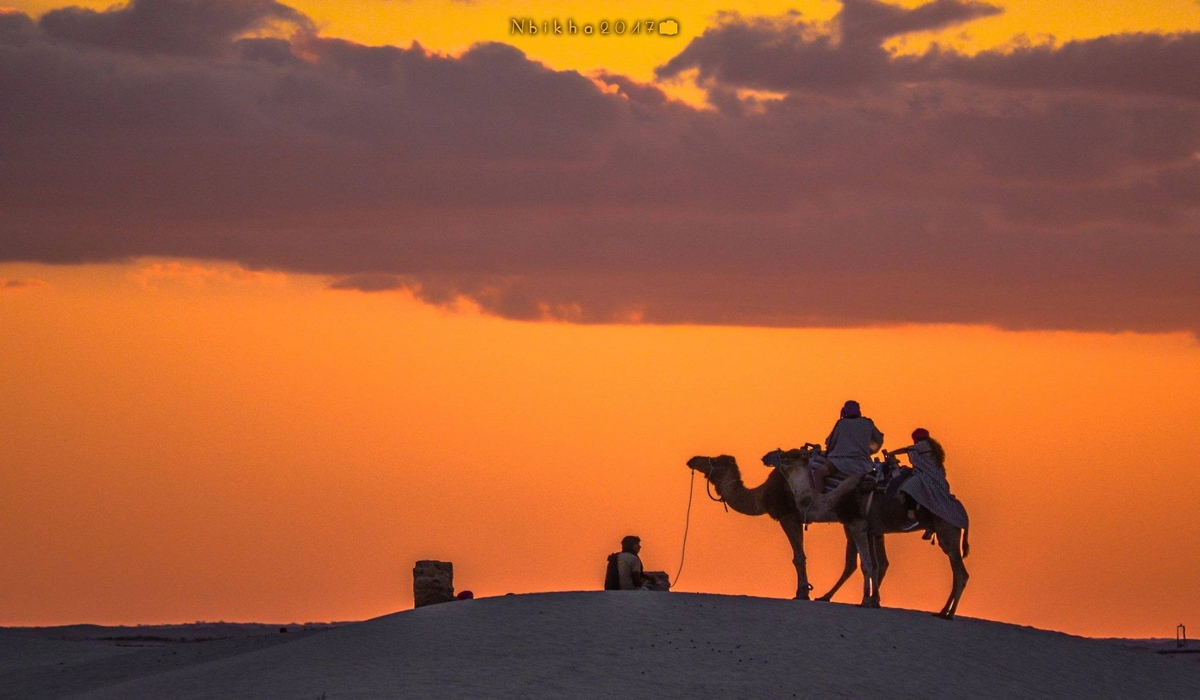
(902,475)
(870,482)
(885,478)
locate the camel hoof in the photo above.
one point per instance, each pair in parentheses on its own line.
(824,599)
(800,596)
(943,616)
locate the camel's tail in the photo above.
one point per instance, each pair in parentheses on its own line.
(966,544)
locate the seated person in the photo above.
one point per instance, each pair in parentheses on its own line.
(625,567)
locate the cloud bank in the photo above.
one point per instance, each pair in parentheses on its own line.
(1048,186)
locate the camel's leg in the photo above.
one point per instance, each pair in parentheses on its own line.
(848,571)
(949,538)
(875,579)
(881,562)
(862,543)
(795,534)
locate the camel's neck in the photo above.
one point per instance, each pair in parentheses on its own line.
(730,488)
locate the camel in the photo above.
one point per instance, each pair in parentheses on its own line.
(774,498)
(863,533)
(870,518)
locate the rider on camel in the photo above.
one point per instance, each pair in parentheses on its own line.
(849,446)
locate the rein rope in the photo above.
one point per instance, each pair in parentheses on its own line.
(687,518)
(687,523)
(708,486)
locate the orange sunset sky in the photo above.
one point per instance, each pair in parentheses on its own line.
(288,302)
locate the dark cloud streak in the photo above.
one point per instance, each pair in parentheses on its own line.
(1132,64)
(186,27)
(869,21)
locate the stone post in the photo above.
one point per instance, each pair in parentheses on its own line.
(433,582)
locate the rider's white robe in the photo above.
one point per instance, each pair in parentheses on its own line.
(928,486)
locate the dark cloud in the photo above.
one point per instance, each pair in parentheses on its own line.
(189,27)
(1153,64)
(15,27)
(276,51)
(955,189)
(791,54)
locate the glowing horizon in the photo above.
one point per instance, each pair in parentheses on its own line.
(212,444)
(295,294)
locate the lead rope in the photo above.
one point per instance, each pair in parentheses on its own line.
(687,523)
(687,520)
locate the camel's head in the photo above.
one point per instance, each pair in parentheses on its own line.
(708,465)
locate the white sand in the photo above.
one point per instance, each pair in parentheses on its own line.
(638,644)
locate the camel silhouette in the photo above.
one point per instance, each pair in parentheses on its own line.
(787,495)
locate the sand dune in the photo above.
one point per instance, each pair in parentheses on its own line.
(631,644)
